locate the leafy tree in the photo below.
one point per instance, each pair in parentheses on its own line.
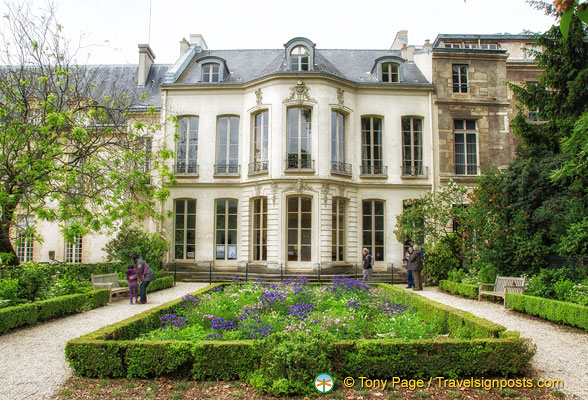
(150,246)
(72,149)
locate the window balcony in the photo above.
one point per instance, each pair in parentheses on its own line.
(186,170)
(340,168)
(296,164)
(258,167)
(227,170)
(414,171)
(374,171)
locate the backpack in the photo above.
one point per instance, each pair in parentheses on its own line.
(371,260)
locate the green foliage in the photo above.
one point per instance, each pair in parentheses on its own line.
(543,284)
(150,246)
(9,292)
(33,281)
(440,259)
(462,289)
(290,362)
(552,310)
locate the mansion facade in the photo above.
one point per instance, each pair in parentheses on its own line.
(301,156)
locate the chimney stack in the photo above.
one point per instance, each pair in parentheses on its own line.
(198,40)
(146,58)
(184,45)
(400,40)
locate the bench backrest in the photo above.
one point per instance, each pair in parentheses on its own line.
(502,281)
(105,278)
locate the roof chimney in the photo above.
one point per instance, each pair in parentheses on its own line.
(184,45)
(400,40)
(146,58)
(407,52)
(428,45)
(198,40)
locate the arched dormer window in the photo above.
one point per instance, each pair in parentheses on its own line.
(388,69)
(299,59)
(212,69)
(299,55)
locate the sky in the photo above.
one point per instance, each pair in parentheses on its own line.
(110,30)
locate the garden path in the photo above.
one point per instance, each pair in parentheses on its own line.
(562,351)
(32,359)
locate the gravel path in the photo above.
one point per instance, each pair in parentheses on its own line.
(562,352)
(32,360)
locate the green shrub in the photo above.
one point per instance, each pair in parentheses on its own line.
(552,310)
(150,246)
(562,289)
(439,260)
(291,361)
(456,275)
(488,273)
(34,281)
(579,293)
(462,289)
(543,284)
(9,292)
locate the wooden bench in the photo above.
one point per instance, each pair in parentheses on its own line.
(108,281)
(503,285)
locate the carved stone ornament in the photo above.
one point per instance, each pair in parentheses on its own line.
(300,93)
(325,192)
(299,187)
(257,189)
(258,97)
(274,192)
(340,97)
(342,190)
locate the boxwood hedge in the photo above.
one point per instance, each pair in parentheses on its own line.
(462,289)
(476,347)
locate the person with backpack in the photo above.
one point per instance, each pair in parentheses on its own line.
(415,262)
(368,263)
(146,275)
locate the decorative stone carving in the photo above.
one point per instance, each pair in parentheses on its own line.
(340,97)
(299,187)
(325,192)
(342,190)
(257,189)
(300,93)
(274,192)
(258,97)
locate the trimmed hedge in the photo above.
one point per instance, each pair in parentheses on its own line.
(112,351)
(462,289)
(553,310)
(28,314)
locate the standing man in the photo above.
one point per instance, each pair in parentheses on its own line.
(417,262)
(367,265)
(146,275)
(410,268)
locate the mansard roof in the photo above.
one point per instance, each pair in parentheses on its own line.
(251,64)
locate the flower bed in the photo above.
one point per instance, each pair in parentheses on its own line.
(347,309)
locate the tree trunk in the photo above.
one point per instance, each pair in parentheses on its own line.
(7,252)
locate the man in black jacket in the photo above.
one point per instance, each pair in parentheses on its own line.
(367,265)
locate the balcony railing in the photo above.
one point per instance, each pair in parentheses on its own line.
(183,169)
(414,171)
(295,163)
(258,167)
(340,168)
(376,171)
(227,170)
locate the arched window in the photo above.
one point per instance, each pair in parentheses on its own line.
(299,59)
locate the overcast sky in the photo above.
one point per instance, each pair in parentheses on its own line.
(113,28)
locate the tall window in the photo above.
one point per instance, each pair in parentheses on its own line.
(260,141)
(187,146)
(299,228)
(227,151)
(147,148)
(460,78)
(299,59)
(466,152)
(211,73)
(299,138)
(226,230)
(371,145)
(338,230)
(412,146)
(390,72)
(373,228)
(337,141)
(260,229)
(24,249)
(73,251)
(185,230)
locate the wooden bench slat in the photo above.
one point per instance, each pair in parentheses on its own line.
(503,285)
(107,281)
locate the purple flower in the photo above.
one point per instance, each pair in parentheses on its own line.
(172,321)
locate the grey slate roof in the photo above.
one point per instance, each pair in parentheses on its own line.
(492,37)
(352,65)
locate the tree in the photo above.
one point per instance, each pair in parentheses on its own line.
(72,149)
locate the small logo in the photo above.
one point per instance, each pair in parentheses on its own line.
(324,383)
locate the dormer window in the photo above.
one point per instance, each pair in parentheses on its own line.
(390,72)
(299,59)
(211,73)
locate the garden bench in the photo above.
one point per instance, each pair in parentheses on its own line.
(108,281)
(503,285)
